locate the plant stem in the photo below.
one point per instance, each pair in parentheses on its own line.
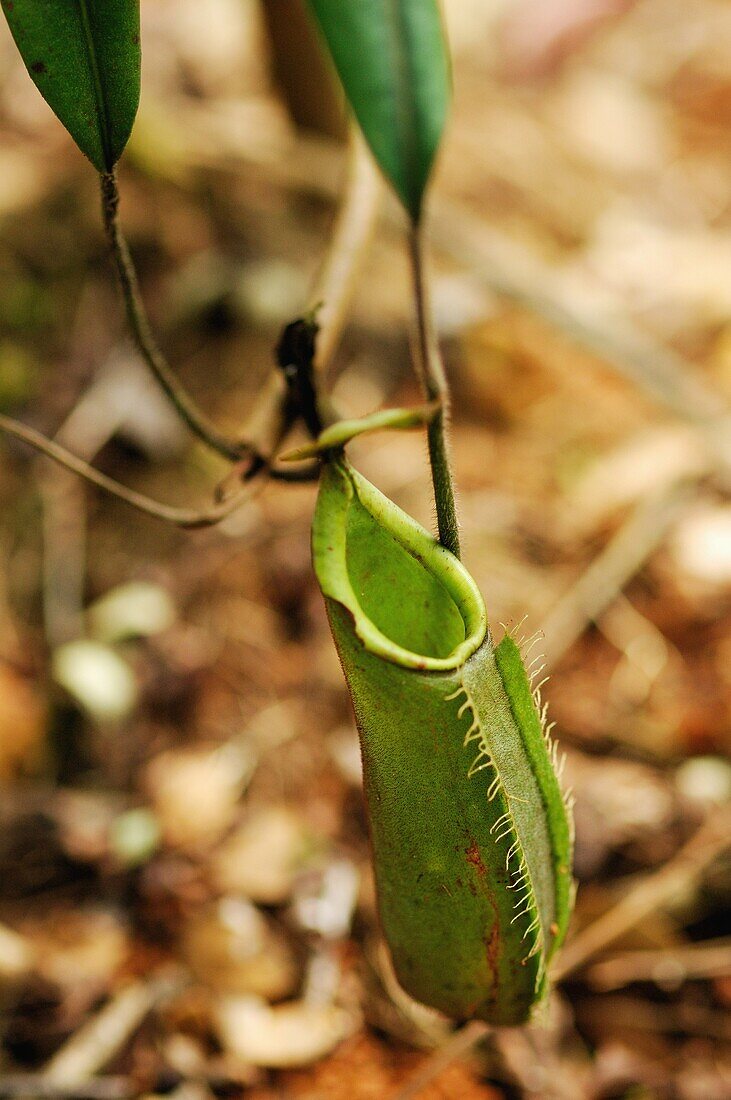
(434,382)
(180,517)
(139,325)
(272,415)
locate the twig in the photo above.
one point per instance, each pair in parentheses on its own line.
(119,390)
(141,330)
(352,234)
(529,1055)
(514,273)
(708,959)
(434,382)
(461,1042)
(20,1086)
(611,570)
(654,892)
(180,517)
(634,1015)
(64,553)
(101,1038)
(329,299)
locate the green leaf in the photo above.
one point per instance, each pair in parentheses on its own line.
(470,831)
(84,57)
(391,57)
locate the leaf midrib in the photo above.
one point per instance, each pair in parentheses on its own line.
(99,92)
(405,104)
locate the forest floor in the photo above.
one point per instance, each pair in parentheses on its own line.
(186,900)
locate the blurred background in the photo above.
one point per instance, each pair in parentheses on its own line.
(186,904)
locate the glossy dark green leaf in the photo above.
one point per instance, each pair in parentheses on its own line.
(84,57)
(391,56)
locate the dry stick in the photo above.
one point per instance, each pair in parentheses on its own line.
(460,1043)
(21,1086)
(180,517)
(111,401)
(101,1038)
(635,1015)
(141,330)
(434,381)
(329,299)
(530,1057)
(354,228)
(611,570)
(514,273)
(654,892)
(709,959)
